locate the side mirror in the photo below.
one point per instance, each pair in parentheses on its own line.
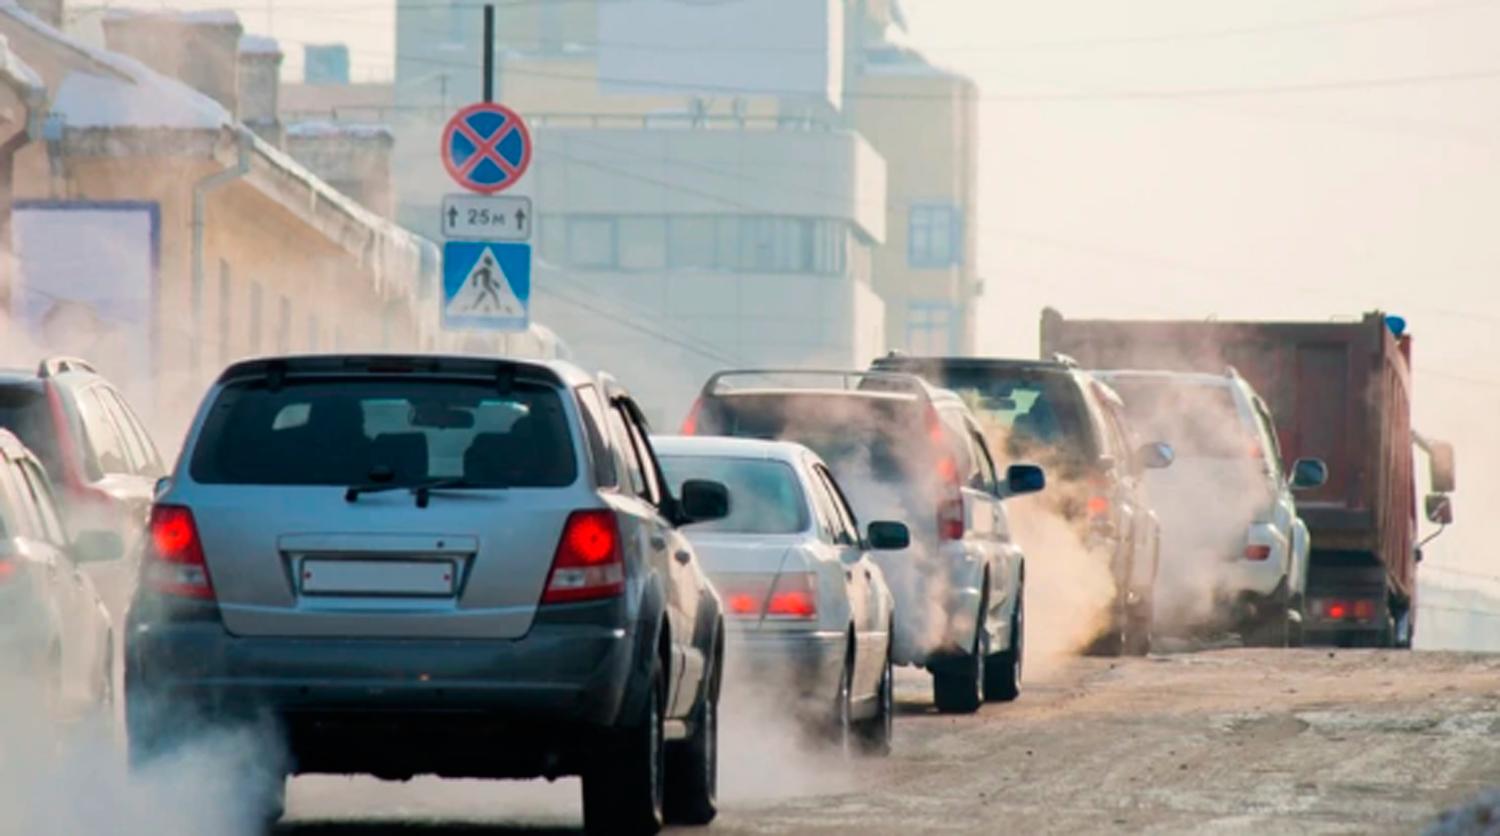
(1441,466)
(703,501)
(1156,455)
(98,547)
(1440,508)
(889,536)
(1308,474)
(1023,479)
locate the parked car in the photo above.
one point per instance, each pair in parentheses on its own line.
(95,449)
(1234,550)
(808,609)
(1051,411)
(457,566)
(908,452)
(54,630)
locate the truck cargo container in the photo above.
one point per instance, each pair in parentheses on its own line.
(1340,392)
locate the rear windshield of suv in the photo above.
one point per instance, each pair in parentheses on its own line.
(386,431)
(861,437)
(1198,420)
(24,411)
(1031,409)
(765,497)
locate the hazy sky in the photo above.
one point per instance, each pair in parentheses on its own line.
(1194,158)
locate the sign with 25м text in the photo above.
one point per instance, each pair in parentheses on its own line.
(478,218)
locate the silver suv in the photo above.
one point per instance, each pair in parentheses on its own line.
(455,566)
(906,451)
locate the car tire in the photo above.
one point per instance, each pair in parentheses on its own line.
(622,791)
(1002,671)
(1295,634)
(1137,638)
(958,682)
(841,724)
(692,765)
(874,735)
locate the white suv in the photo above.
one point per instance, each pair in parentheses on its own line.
(1234,552)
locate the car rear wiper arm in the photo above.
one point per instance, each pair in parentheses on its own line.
(353,492)
(423,490)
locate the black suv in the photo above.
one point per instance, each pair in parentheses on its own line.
(1052,412)
(94,447)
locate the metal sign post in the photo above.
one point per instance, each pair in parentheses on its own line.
(486,149)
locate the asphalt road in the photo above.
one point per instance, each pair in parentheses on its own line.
(1221,741)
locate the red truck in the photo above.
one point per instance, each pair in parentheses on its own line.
(1340,392)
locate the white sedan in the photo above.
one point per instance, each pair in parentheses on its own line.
(802,598)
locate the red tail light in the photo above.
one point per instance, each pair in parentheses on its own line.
(175,563)
(1364,610)
(9,568)
(589,564)
(1254,552)
(1336,610)
(794,596)
(950,510)
(690,423)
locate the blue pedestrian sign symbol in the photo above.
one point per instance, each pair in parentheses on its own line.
(486,286)
(486,147)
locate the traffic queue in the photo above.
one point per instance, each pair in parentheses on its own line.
(483,567)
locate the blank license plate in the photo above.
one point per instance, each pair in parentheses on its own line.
(377,577)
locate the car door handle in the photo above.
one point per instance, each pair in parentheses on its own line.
(684,557)
(658,541)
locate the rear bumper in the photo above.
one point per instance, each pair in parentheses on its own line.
(384,706)
(804,663)
(937,601)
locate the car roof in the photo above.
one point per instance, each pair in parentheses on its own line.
(559,371)
(905,362)
(717,446)
(1193,378)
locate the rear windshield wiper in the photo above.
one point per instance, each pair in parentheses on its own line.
(423,490)
(353,492)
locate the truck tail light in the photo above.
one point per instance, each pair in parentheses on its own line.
(589,564)
(174,563)
(1257,552)
(9,569)
(950,509)
(1364,609)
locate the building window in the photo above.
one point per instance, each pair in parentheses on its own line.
(929,328)
(591,242)
(691,242)
(934,234)
(226,304)
(642,243)
(284,327)
(255,317)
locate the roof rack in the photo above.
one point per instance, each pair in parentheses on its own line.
(1059,357)
(1231,371)
(845,379)
(53,366)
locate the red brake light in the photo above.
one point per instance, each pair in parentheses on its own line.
(1337,609)
(1098,506)
(1364,610)
(1254,552)
(588,564)
(950,511)
(741,604)
(690,423)
(794,603)
(175,565)
(794,596)
(8,569)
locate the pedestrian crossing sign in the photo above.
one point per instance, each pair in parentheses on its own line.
(486,286)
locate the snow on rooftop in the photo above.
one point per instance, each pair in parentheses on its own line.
(17,72)
(259,45)
(206,17)
(318,129)
(86,100)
